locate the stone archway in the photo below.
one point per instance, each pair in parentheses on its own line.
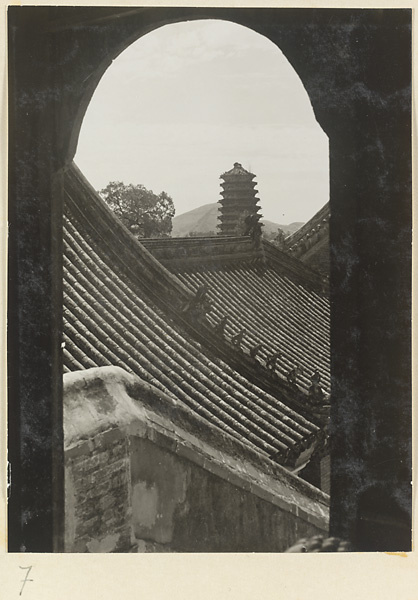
(355,66)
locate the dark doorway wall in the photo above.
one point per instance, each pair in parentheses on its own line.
(355,66)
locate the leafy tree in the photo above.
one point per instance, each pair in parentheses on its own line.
(144,213)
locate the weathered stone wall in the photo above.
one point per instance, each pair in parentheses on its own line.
(145,475)
(98,511)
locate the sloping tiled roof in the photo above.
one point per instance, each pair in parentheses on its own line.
(274,312)
(310,243)
(279,302)
(117,302)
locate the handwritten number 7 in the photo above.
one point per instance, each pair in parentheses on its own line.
(26,578)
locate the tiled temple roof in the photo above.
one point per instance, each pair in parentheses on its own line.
(310,243)
(123,308)
(238,172)
(274,312)
(279,302)
(318,224)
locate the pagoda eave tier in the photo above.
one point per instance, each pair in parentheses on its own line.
(239,206)
(241,212)
(228,201)
(230,188)
(233,222)
(247,194)
(233,178)
(241,200)
(242,193)
(238,184)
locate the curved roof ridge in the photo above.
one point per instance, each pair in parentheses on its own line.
(180,253)
(319,219)
(162,284)
(286,263)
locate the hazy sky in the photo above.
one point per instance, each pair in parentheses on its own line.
(183,103)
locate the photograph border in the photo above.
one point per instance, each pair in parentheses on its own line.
(188,572)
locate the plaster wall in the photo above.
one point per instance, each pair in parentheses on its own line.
(137,482)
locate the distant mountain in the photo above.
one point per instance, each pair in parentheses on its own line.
(199,220)
(204,220)
(270,228)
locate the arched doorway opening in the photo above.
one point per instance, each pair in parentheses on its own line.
(353,64)
(187,100)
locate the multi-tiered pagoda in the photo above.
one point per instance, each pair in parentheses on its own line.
(239,201)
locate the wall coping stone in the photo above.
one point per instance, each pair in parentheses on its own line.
(108,402)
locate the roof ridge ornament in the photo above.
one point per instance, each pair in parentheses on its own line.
(236,340)
(271,361)
(220,327)
(292,374)
(197,308)
(253,228)
(255,350)
(316,394)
